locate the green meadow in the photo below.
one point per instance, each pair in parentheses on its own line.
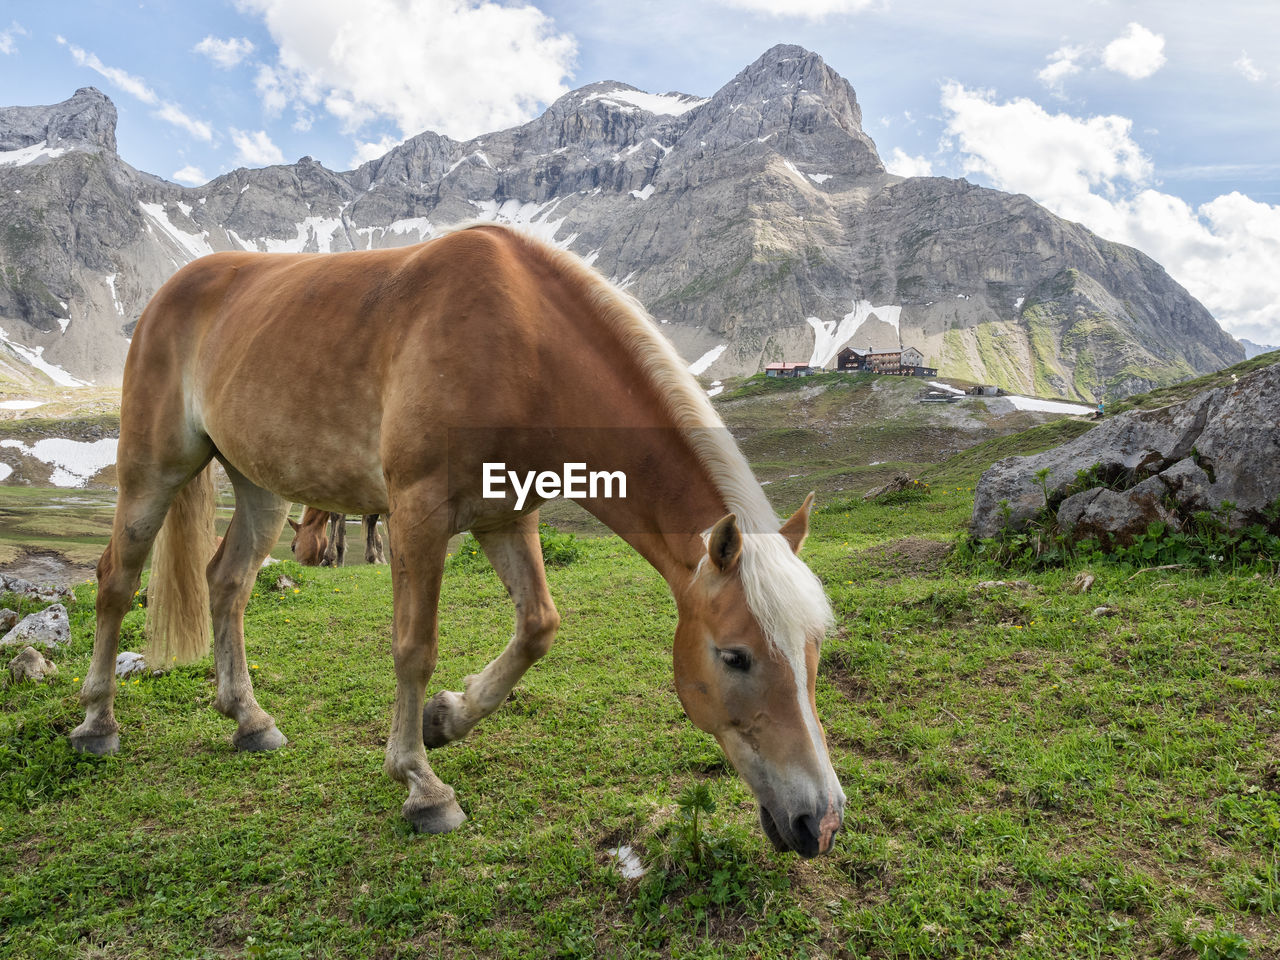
(1025,778)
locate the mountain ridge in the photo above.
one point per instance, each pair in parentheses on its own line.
(759,219)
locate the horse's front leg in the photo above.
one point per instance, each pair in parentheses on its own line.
(418,548)
(516,555)
(336,554)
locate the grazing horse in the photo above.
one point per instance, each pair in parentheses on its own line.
(312,546)
(577,373)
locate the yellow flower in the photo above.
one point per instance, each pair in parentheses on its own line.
(76,680)
(255,666)
(297,590)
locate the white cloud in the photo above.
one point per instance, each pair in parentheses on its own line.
(808,10)
(9,36)
(134,86)
(372,150)
(1137,53)
(192,176)
(1091,170)
(460,67)
(171,113)
(1248,70)
(225,53)
(255,149)
(1063,62)
(905,165)
(137,87)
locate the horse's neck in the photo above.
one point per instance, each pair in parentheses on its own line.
(671,500)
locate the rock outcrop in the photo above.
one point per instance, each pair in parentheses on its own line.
(1217,451)
(759,220)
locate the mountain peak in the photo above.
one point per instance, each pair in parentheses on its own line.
(86,120)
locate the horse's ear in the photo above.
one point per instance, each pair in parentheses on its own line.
(294,523)
(797,527)
(725,545)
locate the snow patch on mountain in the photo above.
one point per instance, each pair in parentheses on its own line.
(35,357)
(74,462)
(24,155)
(830,336)
(707,359)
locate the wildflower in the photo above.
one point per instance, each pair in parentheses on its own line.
(76,680)
(255,666)
(297,590)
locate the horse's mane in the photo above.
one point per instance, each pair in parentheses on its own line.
(783,593)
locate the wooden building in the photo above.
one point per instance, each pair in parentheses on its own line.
(789,370)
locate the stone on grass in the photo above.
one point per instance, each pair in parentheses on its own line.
(1083,582)
(8,619)
(898,484)
(35,591)
(284,583)
(128,662)
(1105,611)
(49,628)
(30,664)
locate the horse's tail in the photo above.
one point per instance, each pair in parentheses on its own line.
(178,621)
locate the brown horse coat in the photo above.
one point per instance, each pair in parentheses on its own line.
(481,346)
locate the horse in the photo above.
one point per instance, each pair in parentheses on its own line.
(580,375)
(312,546)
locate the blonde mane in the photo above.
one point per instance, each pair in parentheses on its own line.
(785,596)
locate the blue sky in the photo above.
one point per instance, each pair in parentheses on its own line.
(1153,123)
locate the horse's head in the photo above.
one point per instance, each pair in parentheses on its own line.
(746,659)
(310,541)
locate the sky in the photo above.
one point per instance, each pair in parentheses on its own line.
(1153,122)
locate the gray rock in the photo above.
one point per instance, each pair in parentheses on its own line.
(44,592)
(754,208)
(128,662)
(48,628)
(898,484)
(1220,446)
(30,664)
(1101,513)
(8,619)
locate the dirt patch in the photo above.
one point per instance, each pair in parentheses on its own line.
(910,554)
(48,567)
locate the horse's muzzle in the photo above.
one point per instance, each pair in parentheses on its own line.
(805,834)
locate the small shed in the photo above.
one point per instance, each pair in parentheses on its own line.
(787,369)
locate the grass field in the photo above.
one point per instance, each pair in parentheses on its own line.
(1024,779)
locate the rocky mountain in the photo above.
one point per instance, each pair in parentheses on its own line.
(758,224)
(1252,349)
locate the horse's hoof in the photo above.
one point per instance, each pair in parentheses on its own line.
(435,720)
(258,741)
(98,744)
(441,818)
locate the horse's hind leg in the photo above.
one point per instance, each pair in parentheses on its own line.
(372,541)
(255,527)
(516,554)
(145,496)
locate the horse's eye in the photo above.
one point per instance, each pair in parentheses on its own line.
(736,659)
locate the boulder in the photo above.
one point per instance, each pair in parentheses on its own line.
(1165,464)
(45,592)
(1100,512)
(49,628)
(30,664)
(8,619)
(128,662)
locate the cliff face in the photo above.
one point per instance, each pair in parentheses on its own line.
(760,220)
